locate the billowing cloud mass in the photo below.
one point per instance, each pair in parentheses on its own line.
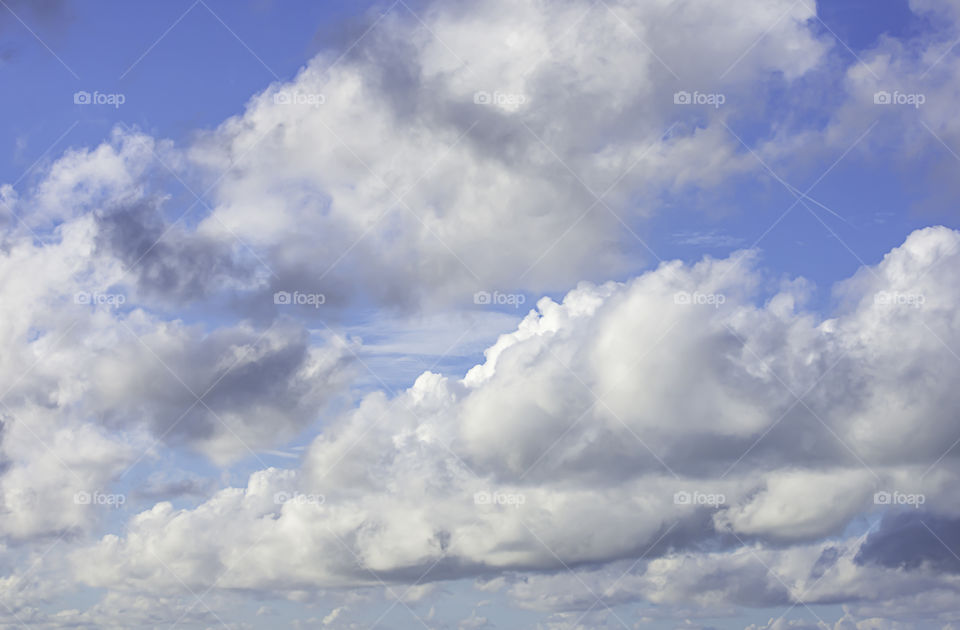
(798,423)
(490,116)
(389,177)
(199,418)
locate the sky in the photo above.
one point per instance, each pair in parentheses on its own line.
(501,314)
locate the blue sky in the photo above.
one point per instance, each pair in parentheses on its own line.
(193,78)
(528,269)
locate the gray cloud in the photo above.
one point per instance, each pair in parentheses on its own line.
(167,260)
(914,539)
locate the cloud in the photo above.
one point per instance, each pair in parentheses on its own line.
(94,283)
(913,539)
(448,478)
(407,174)
(51,473)
(222,392)
(692,437)
(802,505)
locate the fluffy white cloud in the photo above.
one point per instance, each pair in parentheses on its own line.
(391,491)
(380,175)
(93,383)
(692,437)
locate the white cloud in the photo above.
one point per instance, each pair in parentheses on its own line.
(489,192)
(399,476)
(656,416)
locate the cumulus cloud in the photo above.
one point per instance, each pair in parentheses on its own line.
(408,165)
(386,178)
(694,436)
(449,478)
(94,280)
